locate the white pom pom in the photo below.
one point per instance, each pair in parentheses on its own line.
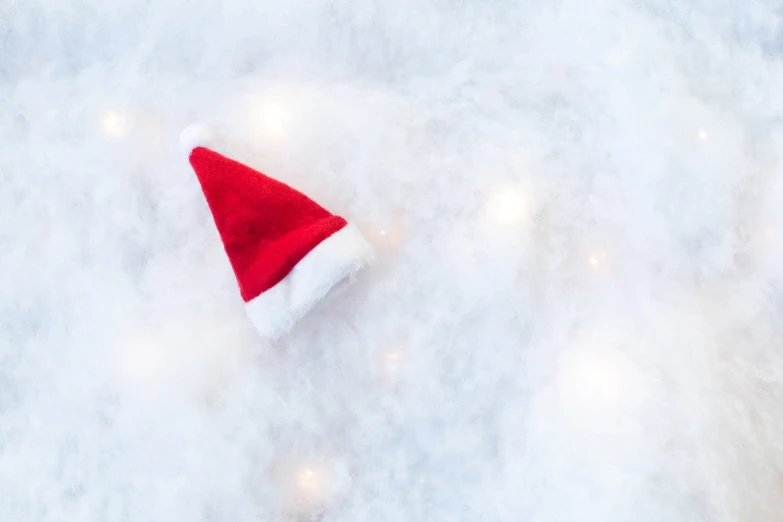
(194,136)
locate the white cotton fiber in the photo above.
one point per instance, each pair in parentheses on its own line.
(574,311)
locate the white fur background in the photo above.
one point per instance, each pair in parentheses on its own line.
(575,314)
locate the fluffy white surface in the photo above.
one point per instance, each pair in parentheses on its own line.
(575,308)
(193,136)
(329,266)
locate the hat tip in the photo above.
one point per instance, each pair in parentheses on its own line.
(194,136)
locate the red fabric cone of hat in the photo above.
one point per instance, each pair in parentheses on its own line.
(287,252)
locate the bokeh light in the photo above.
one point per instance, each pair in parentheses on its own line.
(115,123)
(508,206)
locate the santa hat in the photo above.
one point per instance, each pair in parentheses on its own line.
(287,251)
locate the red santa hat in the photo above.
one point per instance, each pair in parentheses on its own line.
(287,251)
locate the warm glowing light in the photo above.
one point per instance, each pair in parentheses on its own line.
(392,364)
(597,260)
(115,123)
(273,119)
(598,374)
(306,477)
(599,381)
(507,206)
(703,135)
(311,488)
(388,233)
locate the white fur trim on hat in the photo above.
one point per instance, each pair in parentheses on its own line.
(336,259)
(194,136)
